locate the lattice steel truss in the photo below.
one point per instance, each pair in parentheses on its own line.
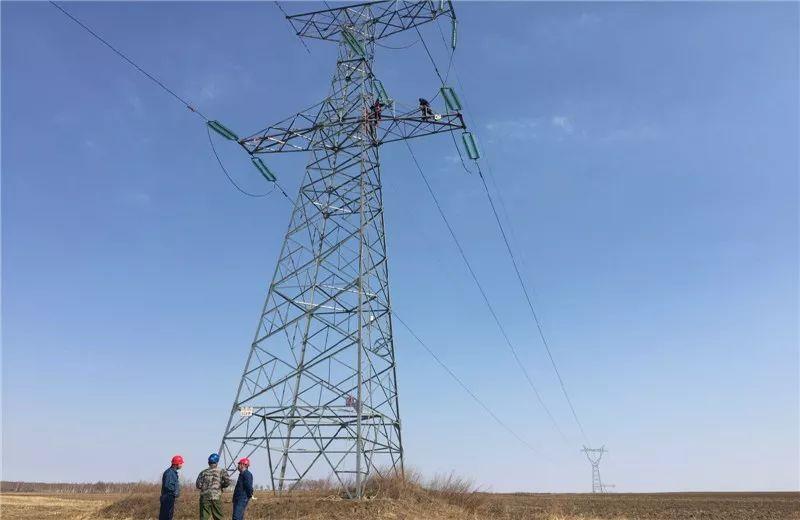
(318,397)
(593,455)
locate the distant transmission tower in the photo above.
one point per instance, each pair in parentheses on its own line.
(318,396)
(594,455)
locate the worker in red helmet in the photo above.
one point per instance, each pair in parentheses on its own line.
(244,489)
(170,488)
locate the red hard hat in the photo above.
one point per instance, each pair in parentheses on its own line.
(177,459)
(245,461)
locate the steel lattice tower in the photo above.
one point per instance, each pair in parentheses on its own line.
(318,396)
(593,455)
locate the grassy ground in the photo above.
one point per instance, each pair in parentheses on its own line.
(420,504)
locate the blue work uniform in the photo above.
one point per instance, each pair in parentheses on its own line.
(170,490)
(242,494)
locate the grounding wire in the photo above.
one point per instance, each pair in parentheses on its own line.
(463,385)
(512,256)
(483,293)
(130,61)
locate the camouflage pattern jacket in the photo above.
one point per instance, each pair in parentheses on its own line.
(211,481)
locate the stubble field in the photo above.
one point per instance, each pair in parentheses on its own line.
(419,504)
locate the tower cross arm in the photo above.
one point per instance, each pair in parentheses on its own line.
(408,126)
(387,18)
(293,134)
(304,132)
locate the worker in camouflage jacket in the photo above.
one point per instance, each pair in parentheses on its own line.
(211,481)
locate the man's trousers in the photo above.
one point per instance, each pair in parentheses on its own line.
(239,505)
(167,507)
(210,509)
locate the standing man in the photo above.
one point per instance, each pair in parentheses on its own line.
(170,489)
(211,481)
(244,489)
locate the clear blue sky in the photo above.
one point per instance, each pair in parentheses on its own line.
(648,158)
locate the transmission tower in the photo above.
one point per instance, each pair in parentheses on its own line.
(318,396)
(594,455)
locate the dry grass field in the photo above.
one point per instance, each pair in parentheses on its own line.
(420,504)
(72,506)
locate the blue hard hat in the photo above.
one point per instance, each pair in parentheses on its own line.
(213,458)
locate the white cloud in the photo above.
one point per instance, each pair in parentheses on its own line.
(560,126)
(522,129)
(531,128)
(564,123)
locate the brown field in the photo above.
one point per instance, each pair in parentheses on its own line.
(419,504)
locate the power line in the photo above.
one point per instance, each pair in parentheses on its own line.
(430,56)
(286,15)
(228,175)
(442,80)
(492,176)
(509,249)
(130,61)
(464,257)
(397,48)
(483,293)
(173,94)
(464,386)
(530,306)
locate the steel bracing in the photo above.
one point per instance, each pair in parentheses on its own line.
(318,396)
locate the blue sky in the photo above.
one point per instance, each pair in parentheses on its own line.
(647,157)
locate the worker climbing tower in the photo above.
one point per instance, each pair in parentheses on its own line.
(318,396)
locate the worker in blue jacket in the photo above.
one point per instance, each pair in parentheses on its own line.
(244,489)
(170,489)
